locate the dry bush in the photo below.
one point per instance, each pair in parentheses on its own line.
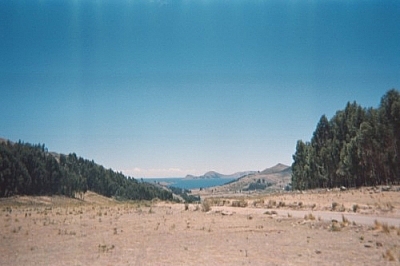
(389,255)
(281,204)
(355,207)
(271,204)
(205,206)
(335,226)
(309,216)
(345,221)
(258,203)
(381,227)
(239,203)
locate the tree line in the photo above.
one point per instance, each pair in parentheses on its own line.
(356,147)
(27,169)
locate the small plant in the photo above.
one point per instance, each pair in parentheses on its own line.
(309,216)
(205,206)
(335,227)
(384,227)
(342,208)
(239,203)
(271,204)
(186,206)
(281,204)
(334,205)
(389,255)
(105,248)
(355,207)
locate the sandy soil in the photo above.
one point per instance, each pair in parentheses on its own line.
(99,231)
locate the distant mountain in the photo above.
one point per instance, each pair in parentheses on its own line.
(275,169)
(275,178)
(213,174)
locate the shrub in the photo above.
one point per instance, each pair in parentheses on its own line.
(205,206)
(309,216)
(239,203)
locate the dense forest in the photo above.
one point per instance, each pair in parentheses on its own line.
(356,147)
(27,169)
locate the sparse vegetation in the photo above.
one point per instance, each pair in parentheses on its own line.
(239,203)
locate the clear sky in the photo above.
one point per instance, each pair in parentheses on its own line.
(174,87)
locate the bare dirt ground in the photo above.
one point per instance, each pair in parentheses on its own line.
(280,229)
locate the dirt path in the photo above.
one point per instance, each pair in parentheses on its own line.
(322,215)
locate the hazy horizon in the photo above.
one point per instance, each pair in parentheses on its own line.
(170,88)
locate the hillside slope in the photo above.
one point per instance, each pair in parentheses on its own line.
(275,178)
(27,169)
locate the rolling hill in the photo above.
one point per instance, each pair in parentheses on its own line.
(213,174)
(275,178)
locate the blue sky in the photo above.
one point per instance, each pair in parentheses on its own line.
(169,88)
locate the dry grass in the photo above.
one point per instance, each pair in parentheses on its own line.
(160,233)
(206,206)
(309,216)
(389,255)
(382,227)
(239,203)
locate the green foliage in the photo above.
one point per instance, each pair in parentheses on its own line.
(356,147)
(27,169)
(184,194)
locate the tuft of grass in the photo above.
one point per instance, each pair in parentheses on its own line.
(281,204)
(205,206)
(384,227)
(309,216)
(345,220)
(389,255)
(335,226)
(271,204)
(239,203)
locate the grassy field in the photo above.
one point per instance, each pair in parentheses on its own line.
(257,230)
